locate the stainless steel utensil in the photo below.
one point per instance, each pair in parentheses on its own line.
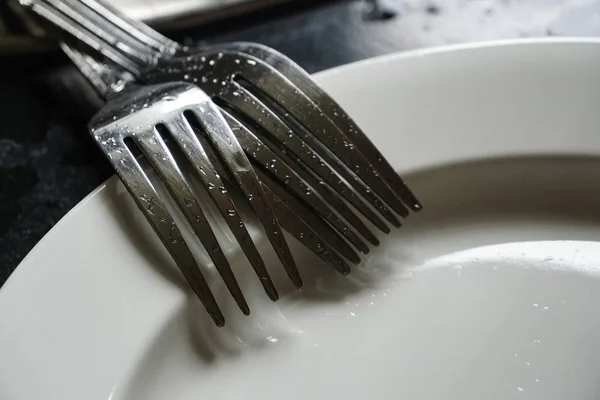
(302,151)
(144,115)
(163,15)
(263,89)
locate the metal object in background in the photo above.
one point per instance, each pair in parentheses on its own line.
(18,34)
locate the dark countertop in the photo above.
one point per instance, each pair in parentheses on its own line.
(48,163)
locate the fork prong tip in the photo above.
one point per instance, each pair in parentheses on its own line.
(273,295)
(297,281)
(218,319)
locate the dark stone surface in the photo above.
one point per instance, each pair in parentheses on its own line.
(48,164)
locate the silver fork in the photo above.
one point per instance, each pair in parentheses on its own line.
(262,89)
(144,114)
(136,112)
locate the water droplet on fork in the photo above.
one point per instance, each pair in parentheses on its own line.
(174,235)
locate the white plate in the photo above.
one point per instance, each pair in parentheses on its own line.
(491,292)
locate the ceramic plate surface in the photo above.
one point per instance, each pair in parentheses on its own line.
(491,292)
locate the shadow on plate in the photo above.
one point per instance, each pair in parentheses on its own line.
(460,199)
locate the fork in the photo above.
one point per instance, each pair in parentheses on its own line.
(144,113)
(262,89)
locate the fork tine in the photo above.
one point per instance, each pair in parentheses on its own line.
(304,231)
(187,140)
(246,103)
(156,151)
(154,210)
(299,77)
(222,138)
(297,219)
(267,159)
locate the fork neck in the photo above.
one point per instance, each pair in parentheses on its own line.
(130,44)
(105,79)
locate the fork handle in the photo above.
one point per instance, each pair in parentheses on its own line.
(131,45)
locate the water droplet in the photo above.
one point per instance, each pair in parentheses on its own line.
(230,212)
(174,235)
(186,77)
(211,62)
(237,61)
(519,388)
(211,186)
(251,62)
